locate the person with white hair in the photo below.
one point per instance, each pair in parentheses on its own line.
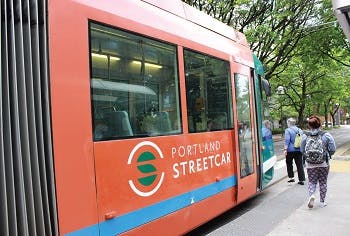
(292,152)
(266,130)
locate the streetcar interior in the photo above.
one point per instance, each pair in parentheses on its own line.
(135,87)
(209,97)
(134,83)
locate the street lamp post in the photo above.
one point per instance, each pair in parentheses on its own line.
(337,114)
(281,90)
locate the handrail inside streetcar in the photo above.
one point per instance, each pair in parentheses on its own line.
(123,87)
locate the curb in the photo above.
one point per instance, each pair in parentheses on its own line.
(341,152)
(281,157)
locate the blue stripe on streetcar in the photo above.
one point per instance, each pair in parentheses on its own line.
(142,216)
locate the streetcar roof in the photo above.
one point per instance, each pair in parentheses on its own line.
(185,11)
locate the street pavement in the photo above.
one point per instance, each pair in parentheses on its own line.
(330,220)
(281,209)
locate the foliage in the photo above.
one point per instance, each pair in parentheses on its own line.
(302,47)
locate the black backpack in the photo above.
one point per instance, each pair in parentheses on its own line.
(315,150)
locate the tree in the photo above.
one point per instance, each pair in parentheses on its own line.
(330,38)
(296,81)
(328,85)
(274,28)
(311,87)
(299,44)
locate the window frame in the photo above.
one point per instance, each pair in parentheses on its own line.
(178,127)
(229,93)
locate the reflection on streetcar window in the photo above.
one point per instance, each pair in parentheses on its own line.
(244,125)
(134,85)
(208,90)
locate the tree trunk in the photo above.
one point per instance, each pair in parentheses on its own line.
(325,115)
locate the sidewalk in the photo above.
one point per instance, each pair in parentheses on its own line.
(277,137)
(332,219)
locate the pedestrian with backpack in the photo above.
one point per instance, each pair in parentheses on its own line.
(317,147)
(292,139)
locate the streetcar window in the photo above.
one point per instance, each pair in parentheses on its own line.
(209,96)
(134,85)
(265,94)
(244,125)
(266,88)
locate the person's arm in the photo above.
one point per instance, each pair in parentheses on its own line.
(286,141)
(331,144)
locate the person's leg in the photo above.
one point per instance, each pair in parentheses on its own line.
(298,159)
(289,163)
(323,176)
(312,176)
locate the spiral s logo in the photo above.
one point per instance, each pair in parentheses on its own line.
(149,175)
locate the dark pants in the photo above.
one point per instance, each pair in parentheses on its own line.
(298,159)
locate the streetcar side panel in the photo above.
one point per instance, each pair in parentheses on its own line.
(265,147)
(141,176)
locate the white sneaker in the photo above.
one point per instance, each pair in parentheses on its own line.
(310,204)
(323,204)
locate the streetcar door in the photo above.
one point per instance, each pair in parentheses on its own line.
(247,174)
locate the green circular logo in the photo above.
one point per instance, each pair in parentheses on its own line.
(148,169)
(150,174)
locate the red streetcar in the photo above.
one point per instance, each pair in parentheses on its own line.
(125,118)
